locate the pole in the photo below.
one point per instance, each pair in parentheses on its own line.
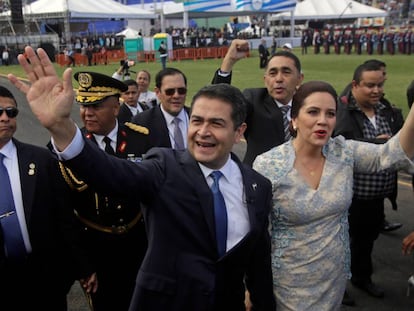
(66,23)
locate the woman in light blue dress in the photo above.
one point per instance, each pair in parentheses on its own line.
(312,177)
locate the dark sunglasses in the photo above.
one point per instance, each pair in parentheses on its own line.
(180,91)
(10,111)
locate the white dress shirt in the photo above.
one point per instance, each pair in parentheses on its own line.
(232,188)
(183,116)
(113,135)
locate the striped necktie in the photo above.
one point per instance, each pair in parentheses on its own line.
(178,135)
(285,110)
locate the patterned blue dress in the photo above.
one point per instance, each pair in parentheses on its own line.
(309,228)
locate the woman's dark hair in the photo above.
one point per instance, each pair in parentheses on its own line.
(304,91)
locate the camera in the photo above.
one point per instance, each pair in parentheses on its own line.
(125,68)
(127,63)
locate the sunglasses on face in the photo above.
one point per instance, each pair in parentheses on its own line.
(10,111)
(180,91)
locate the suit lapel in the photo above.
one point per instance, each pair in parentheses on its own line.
(127,111)
(28,177)
(249,192)
(276,114)
(89,135)
(193,171)
(161,128)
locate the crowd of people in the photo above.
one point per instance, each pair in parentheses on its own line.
(358,41)
(284,228)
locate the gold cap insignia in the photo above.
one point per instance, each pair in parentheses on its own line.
(85,80)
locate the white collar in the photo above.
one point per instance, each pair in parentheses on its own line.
(113,135)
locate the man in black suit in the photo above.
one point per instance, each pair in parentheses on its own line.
(263,54)
(185,267)
(130,105)
(41,274)
(267,121)
(171,90)
(114,227)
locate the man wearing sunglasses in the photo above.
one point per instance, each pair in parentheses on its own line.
(168,122)
(39,245)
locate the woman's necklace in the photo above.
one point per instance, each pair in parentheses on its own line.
(313,169)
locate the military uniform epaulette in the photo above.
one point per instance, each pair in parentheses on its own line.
(137,128)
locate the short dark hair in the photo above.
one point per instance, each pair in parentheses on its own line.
(168,72)
(367,66)
(5,92)
(229,94)
(288,55)
(129,82)
(374,61)
(410,94)
(307,89)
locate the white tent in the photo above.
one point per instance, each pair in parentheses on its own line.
(330,9)
(84,9)
(128,33)
(87,9)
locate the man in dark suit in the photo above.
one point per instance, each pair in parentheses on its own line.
(130,105)
(267,121)
(171,90)
(185,267)
(263,53)
(40,275)
(114,227)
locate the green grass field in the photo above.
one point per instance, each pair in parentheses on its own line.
(336,69)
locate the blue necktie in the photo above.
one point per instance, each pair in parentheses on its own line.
(220,213)
(12,234)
